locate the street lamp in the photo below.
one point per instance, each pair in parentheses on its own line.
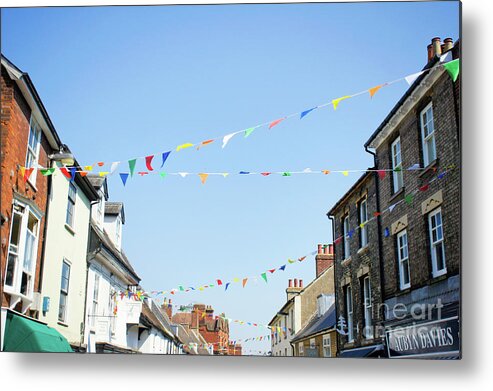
(66,158)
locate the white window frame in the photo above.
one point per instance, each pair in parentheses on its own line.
(20,252)
(95,299)
(434,244)
(327,351)
(33,150)
(363,219)
(346,242)
(14,250)
(403,259)
(430,137)
(64,292)
(71,201)
(396,154)
(367,307)
(349,313)
(301,350)
(118,231)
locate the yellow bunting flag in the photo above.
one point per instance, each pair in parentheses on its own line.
(336,102)
(374,90)
(183,146)
(291,261)
(88,168)
(225,174)
(362,225)
(103,173)
(22,171)
(201,288)
(203,177)
(236,279)
(203,314)
(345,173)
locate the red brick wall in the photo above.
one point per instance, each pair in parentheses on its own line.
(15,118)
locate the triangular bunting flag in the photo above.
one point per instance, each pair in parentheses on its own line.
(163,174)
(47,171)
(227,138)
(424,187)
(65,172)
(391,207)
(265,173)
(244,282)
(336,102)
(131,166)
(204,143)
(183,146)
(381,174)
(225,174)
(149,161)
(276,122)
(345,173)
(124,177)
(183,174)
(412,78)
(264,276)
(306,112)
(88,168)
(27,173)
(100,164)
(203,177)
(286,174)
(73,171)
(282,267)
(249,131)
(164,157)
(452,68)
(114,166)
(291,261)
(301,259)
(409,198)
(326,172)
(374,90)
(272,270)
(226,287)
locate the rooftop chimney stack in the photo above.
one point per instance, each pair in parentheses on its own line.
(324,259)
(448,43)
(437,46)
(293,289)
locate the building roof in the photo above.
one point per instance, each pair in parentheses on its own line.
(97,182)
(318,324)
(110,246)
(354,187)
(114,208)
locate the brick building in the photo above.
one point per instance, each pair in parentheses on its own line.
(420,232)
(214,329)
(357,269)
(28,139)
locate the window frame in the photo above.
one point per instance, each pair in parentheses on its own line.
(33,150)
(363,231)
(367,308)
(71,202)
(326,345)
(433,244)
(349,313)
(430,136)
(95,299)
(18,250)
(64,292)
(397,176)
(346,242)
(403,259)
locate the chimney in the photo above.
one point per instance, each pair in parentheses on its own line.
(437,47)
(430,52)
(291,290)
(167,308)
(325,259)
(448,43)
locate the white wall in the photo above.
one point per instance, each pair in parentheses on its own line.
(70,244)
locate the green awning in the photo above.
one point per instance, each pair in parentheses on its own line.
(26,335)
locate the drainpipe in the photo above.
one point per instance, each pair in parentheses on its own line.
(331,218)
(379,225)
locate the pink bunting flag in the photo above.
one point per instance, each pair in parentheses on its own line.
(276,122)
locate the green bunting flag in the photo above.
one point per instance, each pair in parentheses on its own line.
(409,199)
(249,131)
(264,276)
(131,166)
(47,171)
(452,68)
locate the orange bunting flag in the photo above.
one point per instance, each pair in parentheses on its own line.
(83,173)
(374,90)
(204,143)
(301,259)
(336,102)
(326,172)
(244,282)
(100,164)
(276,122)
(203,178)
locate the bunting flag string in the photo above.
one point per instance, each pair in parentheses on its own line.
(451,67)
(70,174)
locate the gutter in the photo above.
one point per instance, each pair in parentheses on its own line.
(331,218)
(379,226)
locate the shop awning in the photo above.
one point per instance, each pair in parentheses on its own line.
(361,352)
(27,335)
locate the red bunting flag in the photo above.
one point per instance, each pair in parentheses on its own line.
(272,270)
(266,173)
(338,240)
(149,161)
(142,173)
(276,122)
(376,214)
(65,172)
(424,187)
(381,174)
(28,172)
(219,282)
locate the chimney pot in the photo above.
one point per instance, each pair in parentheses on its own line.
(320,249)
(301,283)
(448,43)
(296,283)
(430,52)
(437,48)
(290,283)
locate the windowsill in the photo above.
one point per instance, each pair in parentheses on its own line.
(69,229)
(403,291)
(430,167)
(346,261)
(439,277)
(398,194)
(62,323)
(363,250)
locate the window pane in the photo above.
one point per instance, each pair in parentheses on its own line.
(440,256)
(9,275)
(29,252)
(62,306)
(15,233)
(25,282)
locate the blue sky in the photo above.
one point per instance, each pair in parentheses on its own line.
(123,82)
